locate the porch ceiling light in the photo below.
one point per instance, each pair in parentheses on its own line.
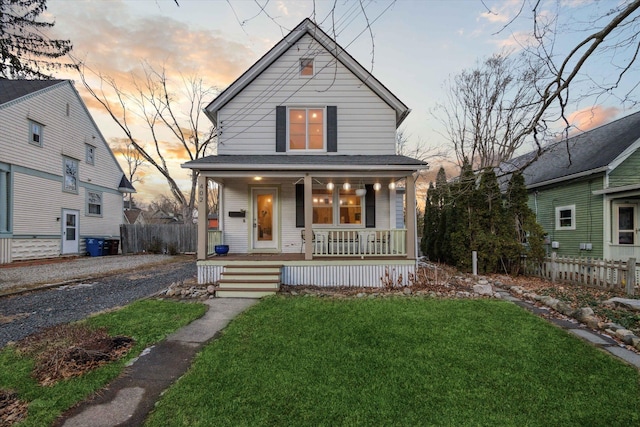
(330,186)
(377,186)
(392,186)
(361,192)
(346,186)
(257,178)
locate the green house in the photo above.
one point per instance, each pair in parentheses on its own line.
(585,192)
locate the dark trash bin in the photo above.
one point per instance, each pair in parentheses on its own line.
(94,246)
(111,247)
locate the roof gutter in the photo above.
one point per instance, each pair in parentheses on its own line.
(612,190)
(301,167)
(568,177)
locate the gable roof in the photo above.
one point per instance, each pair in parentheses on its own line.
(11,90)
(590,152)
(308,27)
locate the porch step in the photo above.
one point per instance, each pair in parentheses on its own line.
(249,281)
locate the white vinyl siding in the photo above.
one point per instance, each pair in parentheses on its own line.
(366,124)
(37,196)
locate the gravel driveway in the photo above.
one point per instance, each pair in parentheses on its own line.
(121,282)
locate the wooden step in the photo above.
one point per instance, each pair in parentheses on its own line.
(253,269)
(236,275)
(244,293)
(237,284)
(249,281)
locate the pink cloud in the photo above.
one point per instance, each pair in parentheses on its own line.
(592,117)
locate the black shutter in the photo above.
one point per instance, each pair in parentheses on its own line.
(332,129)
(281,129)
(370,206)
(299,205)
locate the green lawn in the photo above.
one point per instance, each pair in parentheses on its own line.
(147,321)
(324,362)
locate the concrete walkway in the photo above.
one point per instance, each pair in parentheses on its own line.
(602,341)
(128,400)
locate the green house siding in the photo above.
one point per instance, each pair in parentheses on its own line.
(627,173)
(588,215)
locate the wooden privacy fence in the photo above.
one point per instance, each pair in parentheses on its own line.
(158,238)
(596,273)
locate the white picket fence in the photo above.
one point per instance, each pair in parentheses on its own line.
(596,273)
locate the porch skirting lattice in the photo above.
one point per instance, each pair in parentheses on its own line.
(327,274)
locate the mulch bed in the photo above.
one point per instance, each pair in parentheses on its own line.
(12,409)
(67,351)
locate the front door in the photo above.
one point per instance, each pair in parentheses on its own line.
(626,230)
(70,231)
(264,218)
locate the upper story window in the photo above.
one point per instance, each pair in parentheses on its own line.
(35,133)
(70,175)
(94,203)
(566,217)
(306,129)
(90,154)
(306,67)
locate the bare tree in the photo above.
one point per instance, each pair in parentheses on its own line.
(24,50)
(488,109)
(133,159)
(611,36)
(170,123)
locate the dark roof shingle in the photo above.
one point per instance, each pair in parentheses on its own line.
(589,151)
(14,89)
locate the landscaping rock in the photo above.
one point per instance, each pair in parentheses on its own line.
(211,289)
(582,313)
(621,333)
(483,288)
(630,304)
(591,322)
(564,308)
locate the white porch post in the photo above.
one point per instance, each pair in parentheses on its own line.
(308,217)
(411,217)
(202,217)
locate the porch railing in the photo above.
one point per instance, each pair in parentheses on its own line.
(370,242)
(214,238)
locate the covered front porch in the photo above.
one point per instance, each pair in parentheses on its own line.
(325,220)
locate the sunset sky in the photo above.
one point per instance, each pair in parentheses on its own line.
(416,46)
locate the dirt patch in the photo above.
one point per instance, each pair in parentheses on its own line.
(12,318)
(68,351)
(12,409)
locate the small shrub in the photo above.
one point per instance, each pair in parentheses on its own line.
(155,246)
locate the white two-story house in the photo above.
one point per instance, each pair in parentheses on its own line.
(307,172)
(59,181)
